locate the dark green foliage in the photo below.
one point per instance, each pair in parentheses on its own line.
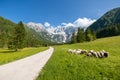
(108,25)
(94,35)
(80,35)
(111,30)
(88,35)
(18,37)
(111,17)
(8,33)
(73,38)
(6,28)
(83,36)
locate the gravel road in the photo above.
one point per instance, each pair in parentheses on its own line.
(27,68)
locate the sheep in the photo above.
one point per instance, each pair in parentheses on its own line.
(89,54)
(99,56)
(74,51)
(106,54)
(84,51)
(92,52)
(78,52)
(70,50)
(95,54)
(79,49)
(102,54)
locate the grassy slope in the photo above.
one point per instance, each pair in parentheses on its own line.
(8,56)
(65,66)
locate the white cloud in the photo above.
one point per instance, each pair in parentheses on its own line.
(80,22)
(83,22)
(47,24)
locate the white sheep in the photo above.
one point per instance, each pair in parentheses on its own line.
(89,54)
(99,56)
(94,54)
(70,50)
(101,53)
(84,51)
(78,52)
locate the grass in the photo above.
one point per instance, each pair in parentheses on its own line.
(9,55)
(65,66)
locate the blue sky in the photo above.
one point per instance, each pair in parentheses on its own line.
(54,11)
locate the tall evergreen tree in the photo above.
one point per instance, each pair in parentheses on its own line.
(94,35)
(88,35)
(18,37)
(73,38)
(80,35)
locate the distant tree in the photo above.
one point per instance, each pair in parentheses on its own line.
(94,35)
(80,35)
(73,38)
(17,39)
(88,35)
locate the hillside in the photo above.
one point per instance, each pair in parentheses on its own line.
(109,18)
(7,27)
(66,66)
(108,25)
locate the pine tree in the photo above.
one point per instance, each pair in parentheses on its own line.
(73,38)
(88,35)
(80,35)
(94,35)
(18,37)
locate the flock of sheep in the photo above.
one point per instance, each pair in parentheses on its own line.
(91,53)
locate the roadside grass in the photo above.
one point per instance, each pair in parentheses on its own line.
(10,55)
(66,66)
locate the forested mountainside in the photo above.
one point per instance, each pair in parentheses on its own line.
(32,38)
(108,24)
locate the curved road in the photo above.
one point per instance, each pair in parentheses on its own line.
(27,68)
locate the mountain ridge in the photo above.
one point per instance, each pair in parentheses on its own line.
(109,18)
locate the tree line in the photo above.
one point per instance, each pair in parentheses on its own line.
(83,35)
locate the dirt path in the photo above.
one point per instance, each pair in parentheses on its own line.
(27,68)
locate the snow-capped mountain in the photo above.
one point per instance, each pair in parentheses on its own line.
(61,33)
(38,27)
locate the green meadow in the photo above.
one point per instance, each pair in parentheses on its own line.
(66,66)
(9,55)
